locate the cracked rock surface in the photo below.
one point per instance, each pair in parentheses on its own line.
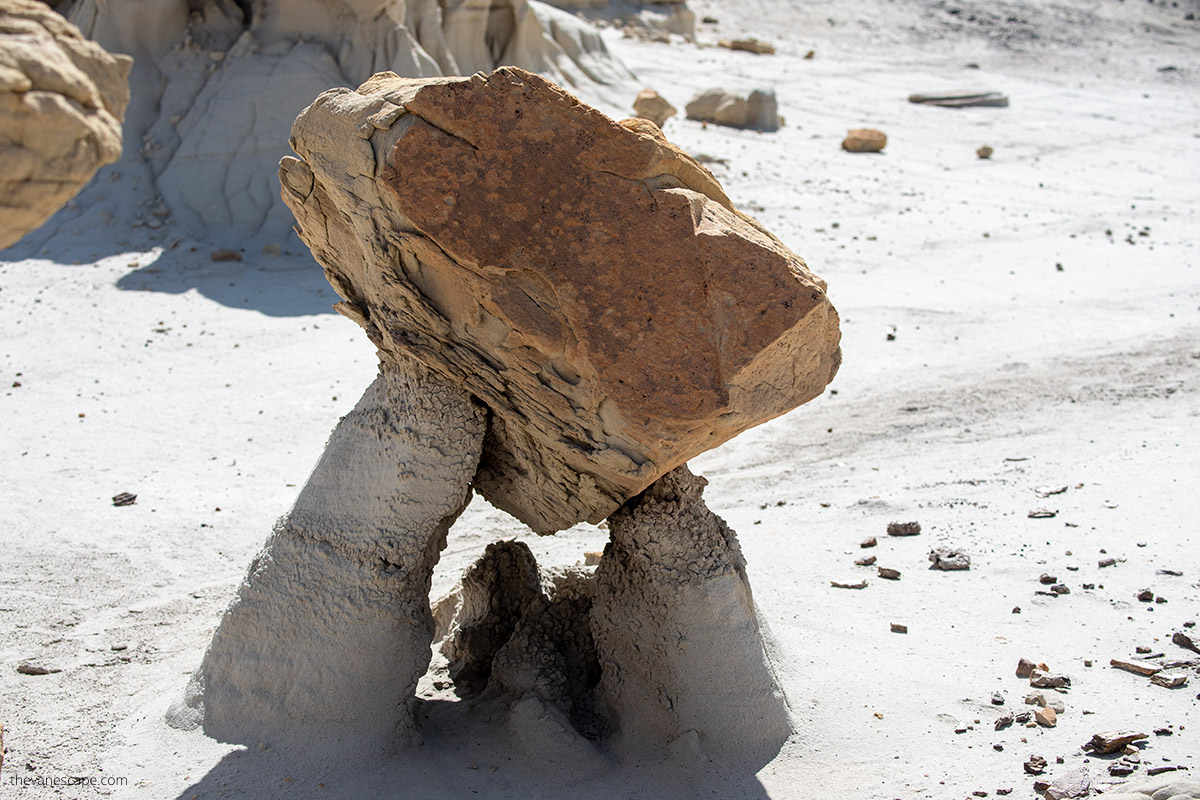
(589,282)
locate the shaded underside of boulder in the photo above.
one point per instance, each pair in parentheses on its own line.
(588,282)
(62,99)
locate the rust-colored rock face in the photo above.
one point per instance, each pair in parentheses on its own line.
(585,280)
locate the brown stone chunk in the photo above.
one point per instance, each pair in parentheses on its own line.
(1113,741)
(1135,666)
(1183,640)
(1169,680)
(864,140)
(650,105)
(749,45)
(586,281)
(903,528)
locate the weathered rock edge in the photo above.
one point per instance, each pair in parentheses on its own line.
(62,99)
(587,281)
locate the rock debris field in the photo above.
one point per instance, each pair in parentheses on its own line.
(964,566)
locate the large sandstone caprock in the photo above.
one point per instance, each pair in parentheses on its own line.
(588,282)
(62,99)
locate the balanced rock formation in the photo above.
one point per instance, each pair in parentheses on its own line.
(651,105)
(759,111)
(216,86)
(62,99)
(586,281)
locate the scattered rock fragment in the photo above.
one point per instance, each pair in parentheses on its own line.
(997,699)
(903,528)
(34,668)
(1042,513)
(1145,596)
(1169,680)
(758,111)
(1047,579)
(749,45)
(865,561)
(1107,562)
(1047,491)
(868,542)
(1163,732)
(1036,765)
(810,55)
(945,558)
(650,105)
(592,557)
(124,499)
(1076,783)
(1173,572)
(1160,770)
(898,628)
(1025,668)
(1135,666)
(960,99)
(984,152)
(1046,699)
(859,585)
(1113,741)
(889,574)
(1004,721)
(1059,588)
(1039,679)
(1045,716)
(864,140)
(1183,640)
(225,254)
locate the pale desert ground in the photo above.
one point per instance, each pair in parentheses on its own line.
(208,389)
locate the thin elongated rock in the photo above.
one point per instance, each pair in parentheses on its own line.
(588,282)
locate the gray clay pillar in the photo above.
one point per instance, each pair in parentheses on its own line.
(331,629)
(677,634)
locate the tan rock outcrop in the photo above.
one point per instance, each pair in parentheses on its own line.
(62,99)
(216,86)
(588,282)
(864,140)
(723,107)
(651,105)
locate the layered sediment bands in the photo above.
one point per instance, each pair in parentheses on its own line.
(675,627)
(62,99)
(590,283)
(331,628)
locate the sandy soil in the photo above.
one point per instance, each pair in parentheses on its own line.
(1044,312)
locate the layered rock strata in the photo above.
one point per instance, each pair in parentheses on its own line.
(62,99)
(588,282)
